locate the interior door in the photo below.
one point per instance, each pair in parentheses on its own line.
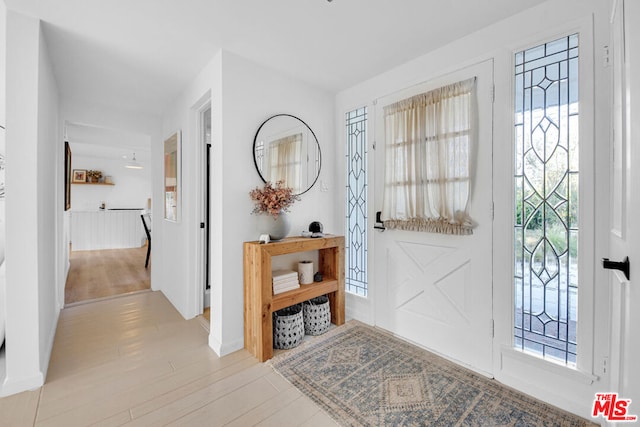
(436,289)
(624,234)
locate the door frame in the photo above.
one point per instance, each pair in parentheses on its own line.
(624,236)
(199,283)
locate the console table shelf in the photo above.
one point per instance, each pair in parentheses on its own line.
(259,301)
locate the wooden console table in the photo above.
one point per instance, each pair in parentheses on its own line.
(259,301)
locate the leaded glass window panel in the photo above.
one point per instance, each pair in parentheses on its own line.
(546,181)
(356,202)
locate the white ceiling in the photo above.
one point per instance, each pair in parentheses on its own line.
(137,55)
(115,144)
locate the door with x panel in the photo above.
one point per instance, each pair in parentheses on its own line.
(436,289)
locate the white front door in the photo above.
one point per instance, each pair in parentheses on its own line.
(624,233)
(434,289)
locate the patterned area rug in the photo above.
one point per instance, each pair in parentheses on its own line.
(364,377)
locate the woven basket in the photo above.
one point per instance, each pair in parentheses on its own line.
(288,327)
(317,315)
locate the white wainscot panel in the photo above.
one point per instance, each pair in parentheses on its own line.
(116,229)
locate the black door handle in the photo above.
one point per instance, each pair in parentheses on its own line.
(379,222)
(613,265)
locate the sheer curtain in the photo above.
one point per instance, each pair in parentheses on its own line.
(285,158)
(429,138)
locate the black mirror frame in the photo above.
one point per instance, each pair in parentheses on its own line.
(255,139)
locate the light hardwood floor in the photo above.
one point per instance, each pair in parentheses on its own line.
(133,360)
(104,273)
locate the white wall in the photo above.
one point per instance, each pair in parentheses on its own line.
(175,243)
(3,75)
(250,95)
(3,98)
(496,42)
(33,194)
(50,201)
(3,61)
(243,94)
(22,335)
(131,190)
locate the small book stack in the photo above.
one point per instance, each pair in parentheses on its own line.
(284,280)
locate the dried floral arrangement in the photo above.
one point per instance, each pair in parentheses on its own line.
(271,200)
(94,174)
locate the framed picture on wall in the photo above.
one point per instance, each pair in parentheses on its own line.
(67,176)
(172,190)
(79,175)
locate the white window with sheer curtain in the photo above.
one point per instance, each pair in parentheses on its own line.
(285,154)
(429,142)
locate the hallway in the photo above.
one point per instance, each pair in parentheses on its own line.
(133,360)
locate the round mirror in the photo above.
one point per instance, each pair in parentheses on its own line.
(286,149)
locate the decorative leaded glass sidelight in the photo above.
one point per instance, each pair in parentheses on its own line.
(546,199)
(356,203)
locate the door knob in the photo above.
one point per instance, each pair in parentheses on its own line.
(613,265)
(379,222)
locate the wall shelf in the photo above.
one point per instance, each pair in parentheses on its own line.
(92,183)
(259,301)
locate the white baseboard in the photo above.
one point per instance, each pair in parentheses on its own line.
(12,386)
(46,357)
(359,308)
(226,348)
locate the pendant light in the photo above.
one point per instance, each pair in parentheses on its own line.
(133,164)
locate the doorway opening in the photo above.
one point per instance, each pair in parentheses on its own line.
(205,142)
(110,188)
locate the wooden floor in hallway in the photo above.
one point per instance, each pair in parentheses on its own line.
(105,273)
(133,360)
